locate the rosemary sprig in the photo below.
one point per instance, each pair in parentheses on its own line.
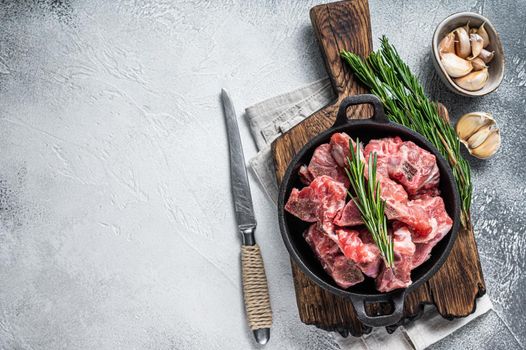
(405,102)
(369,202)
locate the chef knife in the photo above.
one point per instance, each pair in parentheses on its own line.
(255,288)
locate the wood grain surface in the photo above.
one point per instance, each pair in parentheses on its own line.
(454,288)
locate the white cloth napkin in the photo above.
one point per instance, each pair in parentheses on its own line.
(273,117)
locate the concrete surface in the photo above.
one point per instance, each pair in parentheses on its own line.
(116,225)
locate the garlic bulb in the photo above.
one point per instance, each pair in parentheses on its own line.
(478,131)
(462,44)
(473,81)
(455,66)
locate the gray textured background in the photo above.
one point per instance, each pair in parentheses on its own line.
(116,225)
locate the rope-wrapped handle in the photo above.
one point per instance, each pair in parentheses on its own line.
(255,288)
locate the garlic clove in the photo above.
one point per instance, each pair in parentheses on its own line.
(455,66)
(473,81)
(447,44)
(480,136)
(478,64)
(489,147)
(486,55)
(476,45)
(462,44)
(470,123)
(484,34)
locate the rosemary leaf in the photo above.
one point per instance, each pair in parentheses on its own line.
(370,204)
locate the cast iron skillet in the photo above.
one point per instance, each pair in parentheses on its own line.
(292,228)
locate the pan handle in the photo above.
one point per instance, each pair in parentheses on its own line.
(378,115)
(397,298)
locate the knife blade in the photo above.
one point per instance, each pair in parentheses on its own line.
(239,180)
(255,288)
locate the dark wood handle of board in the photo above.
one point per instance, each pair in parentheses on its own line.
(343,25)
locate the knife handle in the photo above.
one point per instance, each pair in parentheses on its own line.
(255,292)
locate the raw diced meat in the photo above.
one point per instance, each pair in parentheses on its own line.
(414,216)
(409,178)
(391,192)
(384,148)
(439,219)
(305,175)
(403,161)
(353,247)
(365,255)
(349,216)
(393,278)
(320,201)
(397,208)
(417,169)
(340,148)
(399,276)
(330,196)
(322,163)
(344,271)
(422,254)
(442,223)
(402,243)
(302,204)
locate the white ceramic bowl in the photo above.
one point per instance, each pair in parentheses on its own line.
(495,67)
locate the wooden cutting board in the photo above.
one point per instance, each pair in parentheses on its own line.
(455,287)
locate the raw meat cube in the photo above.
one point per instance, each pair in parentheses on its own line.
(322,163)
(402,240)
(442,223)
(417,169)
(320,201)
(344,271)
(438,217)
(340,148)
(413,167)
(399,276)
(365,255)
(373,268)
(384,148)
(302,204)
(397,208)
(349,216)
(391,191)
(305,175)
(330,196)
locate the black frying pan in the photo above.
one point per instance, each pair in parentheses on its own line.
(292,228)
